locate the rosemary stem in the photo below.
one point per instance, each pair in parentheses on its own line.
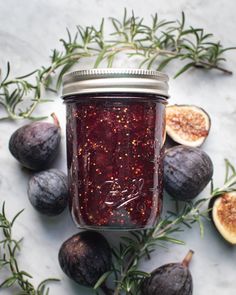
(211,66)
(130,47)
(32,108)
(125,270)
(160,231)
(8,257)
(227,185)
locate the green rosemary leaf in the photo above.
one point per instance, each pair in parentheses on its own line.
(24,273)
(102,279)
(27,75)
(42,285)
(152,60)
(8,282)
(100,58)
(65,69)
(127,239)
(227,49)
(7,74)
(201,226)
(116,24)
(138,273)
(110,59)
(165,62)
(182,23)
(16,216)
(143,62)
(8,247)
(184,69)
(33,118)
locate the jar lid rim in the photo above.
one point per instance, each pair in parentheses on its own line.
(115,80)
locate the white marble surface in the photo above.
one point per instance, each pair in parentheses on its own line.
(28,30)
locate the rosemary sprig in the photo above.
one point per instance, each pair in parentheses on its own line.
(141,244)
(9,247)
(156,45)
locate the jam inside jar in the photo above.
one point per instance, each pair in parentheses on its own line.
(115,158)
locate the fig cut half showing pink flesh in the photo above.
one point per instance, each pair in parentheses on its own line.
(223,213)
(187,124)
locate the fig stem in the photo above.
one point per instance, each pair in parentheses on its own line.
(55,120)
(188,258)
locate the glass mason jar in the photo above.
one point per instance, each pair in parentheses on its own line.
(115,138)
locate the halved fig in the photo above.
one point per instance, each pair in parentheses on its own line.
(187,124)
(223,214)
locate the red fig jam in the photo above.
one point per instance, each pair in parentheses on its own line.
(115,149)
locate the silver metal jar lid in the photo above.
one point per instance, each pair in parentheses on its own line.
(115,80)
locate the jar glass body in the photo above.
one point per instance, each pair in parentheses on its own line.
(115,159)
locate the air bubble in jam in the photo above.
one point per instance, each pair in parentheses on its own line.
(115,159)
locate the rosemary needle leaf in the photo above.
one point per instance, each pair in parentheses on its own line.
(102,279)
(165,62)
(8,282)
(16,216)
(184,69)
(8,247)
(7,74)
(65,69)
(156,45)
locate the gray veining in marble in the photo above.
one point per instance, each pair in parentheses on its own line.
(28,31)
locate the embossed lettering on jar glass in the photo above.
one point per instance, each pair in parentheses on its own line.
(115,137)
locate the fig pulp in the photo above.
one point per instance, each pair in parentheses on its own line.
(85,257)
(223,214)
(187,124)
(170,279)
(48,192)
(36,145)
(187,171)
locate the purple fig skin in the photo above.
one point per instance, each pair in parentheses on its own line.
(170,279)
(48,192)
(36,145)
(187,171)
(85,257)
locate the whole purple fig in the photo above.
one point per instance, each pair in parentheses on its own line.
(35,145)
(187,171)
(48,192)
(85,257)
(170,279)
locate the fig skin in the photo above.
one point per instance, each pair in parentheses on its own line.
(36,145)
(188,127)
(48,192)
(85,257)
(187,171)
(170,279)
(225,227)
(169,143)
